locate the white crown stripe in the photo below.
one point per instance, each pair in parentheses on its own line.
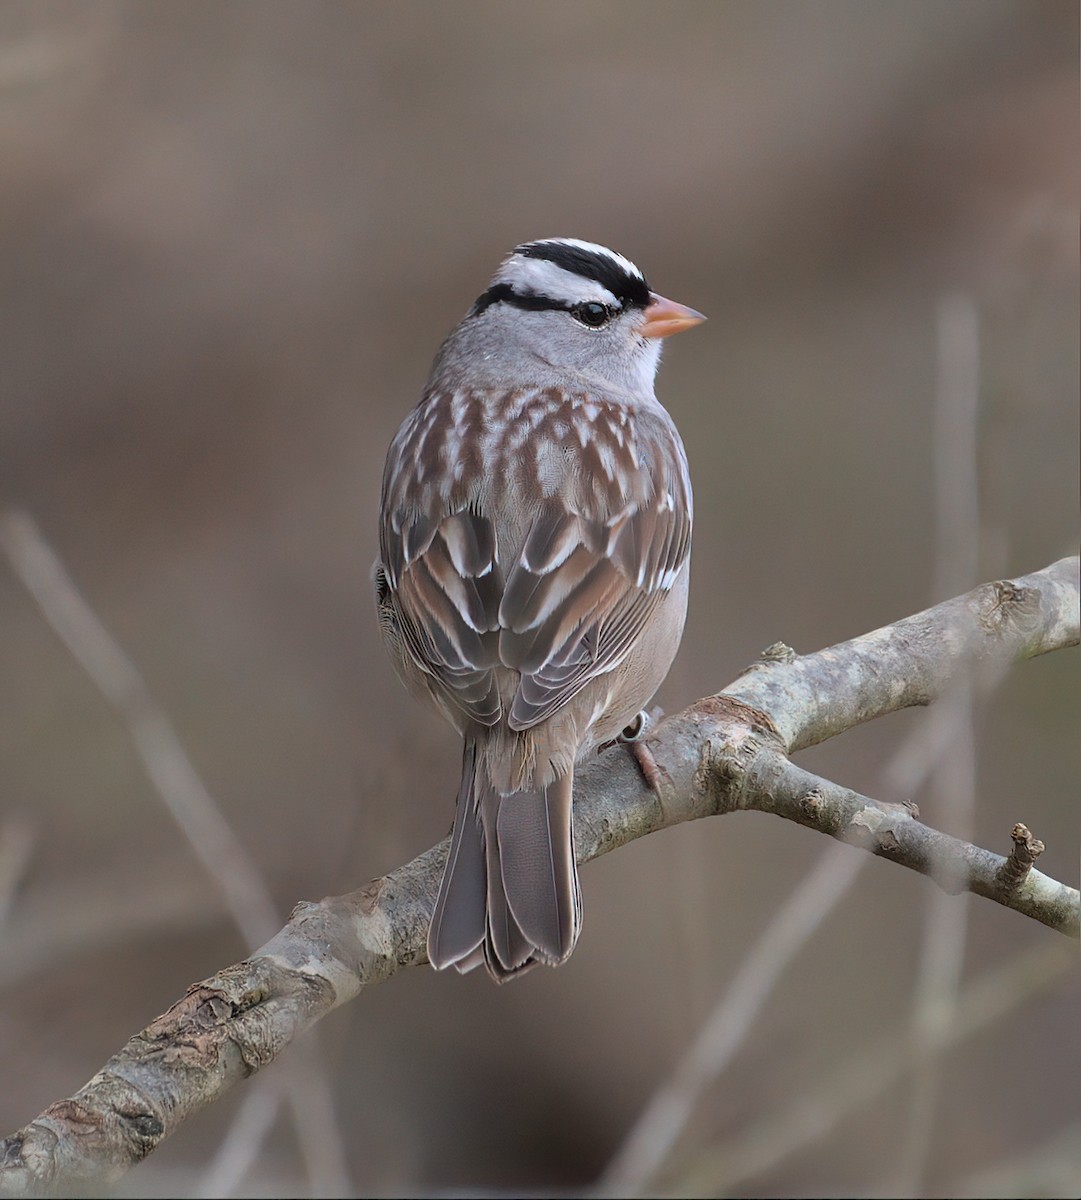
(538,277)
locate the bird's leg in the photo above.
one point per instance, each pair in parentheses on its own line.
(632,736)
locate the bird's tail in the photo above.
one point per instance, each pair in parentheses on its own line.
(509,896)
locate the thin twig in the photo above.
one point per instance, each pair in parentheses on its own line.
(191,806)
(719,755)
(671,1106)
(811,1116)
(176,781)
(16,843)
(655,1132)
(240,1147)
(956,465)
(1026,850)
(938,977)
(1053,1169)
(69,921)
(952,793)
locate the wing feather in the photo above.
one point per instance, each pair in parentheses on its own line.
(563,602)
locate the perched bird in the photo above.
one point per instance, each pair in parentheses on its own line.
(534,544)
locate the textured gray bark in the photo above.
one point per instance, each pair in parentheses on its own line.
(725,752)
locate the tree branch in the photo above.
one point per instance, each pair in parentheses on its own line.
(725,752)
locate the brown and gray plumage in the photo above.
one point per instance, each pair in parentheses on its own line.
(534,542)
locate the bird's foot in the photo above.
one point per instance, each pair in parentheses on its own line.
(632,736)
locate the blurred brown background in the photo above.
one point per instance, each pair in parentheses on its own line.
(231,238)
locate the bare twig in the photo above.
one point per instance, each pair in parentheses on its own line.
(957,404)
(70,920)
(1052,1169)
(938,976)
(1026,849)
(892,832)
(811,1116)
(953,781)
(240,1147)
(723,753)
(16,843)
(654,1134)
(191,806)
(912,662)
(670,1108)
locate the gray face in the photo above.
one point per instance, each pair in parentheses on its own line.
(559,312)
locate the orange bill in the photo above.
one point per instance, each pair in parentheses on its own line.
(665,317)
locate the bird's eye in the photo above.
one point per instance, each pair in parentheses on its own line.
(592,314)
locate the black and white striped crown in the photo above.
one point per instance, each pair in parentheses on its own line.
(562,272)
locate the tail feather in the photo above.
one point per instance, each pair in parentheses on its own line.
(538,873)
(511,881)
(458,922)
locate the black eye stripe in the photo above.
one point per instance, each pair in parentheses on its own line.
(504,291)
(528,300)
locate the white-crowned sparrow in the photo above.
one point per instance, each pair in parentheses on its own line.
(534,540)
